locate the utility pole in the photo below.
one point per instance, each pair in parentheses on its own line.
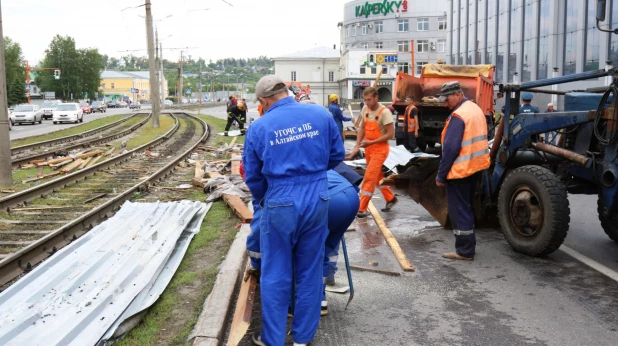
(201,83)
(6,168)
(180,93)
(161,75)
(155,100)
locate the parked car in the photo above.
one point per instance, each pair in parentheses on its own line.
(68,112)
(85,107)
(112,104)
(48,108)
(168,103)
(99,106)
(135,105)
(27,114)
(122,104)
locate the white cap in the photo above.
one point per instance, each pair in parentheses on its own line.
(550,105)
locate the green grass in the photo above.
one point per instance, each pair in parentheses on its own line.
(23,174)
(147,133)
(70,131)
(218,225)
(219,126)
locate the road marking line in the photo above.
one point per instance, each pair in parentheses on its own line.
(590,262)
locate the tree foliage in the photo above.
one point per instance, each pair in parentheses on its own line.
(80,74)
(15,72)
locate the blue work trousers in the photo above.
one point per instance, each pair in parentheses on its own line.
(293,229)
(460,194)
(253,239)
(342,210)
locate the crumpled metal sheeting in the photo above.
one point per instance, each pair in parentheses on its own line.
(397,156)
(226,185)
(75,296)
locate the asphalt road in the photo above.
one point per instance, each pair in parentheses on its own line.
(19,131)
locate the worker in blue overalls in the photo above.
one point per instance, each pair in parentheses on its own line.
(526,107)
(334,109)
(343,192)
(286,156)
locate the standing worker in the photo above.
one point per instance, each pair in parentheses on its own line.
(286,156)
(334,109)
(236,113)
(411,126)
(375,130)
(465,151)
(550,108)
(526,107)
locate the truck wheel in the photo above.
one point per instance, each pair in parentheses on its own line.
(610,225)
(534,210)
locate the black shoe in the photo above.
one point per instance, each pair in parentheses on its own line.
(362,214)
(390,204)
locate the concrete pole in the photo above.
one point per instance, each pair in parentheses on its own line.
(161,76)
(180,94)
(6,170)
(201,84)
(554,97)
(154,85)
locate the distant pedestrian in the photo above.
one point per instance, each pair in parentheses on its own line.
(334,109)
(550,108)
(410,126)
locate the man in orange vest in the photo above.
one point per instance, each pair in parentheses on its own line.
(411,126)
(373,135)
(465,152)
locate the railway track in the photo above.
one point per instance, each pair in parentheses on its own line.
(65,139)
(35,223)
(43,150)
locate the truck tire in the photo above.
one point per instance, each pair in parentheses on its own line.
(534,210)
(610,225)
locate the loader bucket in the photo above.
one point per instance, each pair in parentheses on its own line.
(419,179)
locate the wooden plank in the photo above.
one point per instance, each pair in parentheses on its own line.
(351,113)
(244,309)
(86,162)
(34,162)
(391,240)
(236,167)
(62,159)
(38,208)
(72,166)
(39,171)
(213,174)
(41,177)
(198,182)
(237,205)
(31,165)
(374,270)
(109,152)
(92,153)
(199,169)
(94,160)
(232,142)
(60,164)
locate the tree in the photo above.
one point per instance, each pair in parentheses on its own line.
(15,72)
(113,63)
(80,69)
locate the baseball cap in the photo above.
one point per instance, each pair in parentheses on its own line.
(449,88)
(268,86)
(527,96)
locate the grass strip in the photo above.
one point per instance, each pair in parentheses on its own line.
(68,132)
(148,133)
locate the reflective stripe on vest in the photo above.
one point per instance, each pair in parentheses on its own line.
(410,119)
(474,153)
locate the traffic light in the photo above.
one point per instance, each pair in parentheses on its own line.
(57,74)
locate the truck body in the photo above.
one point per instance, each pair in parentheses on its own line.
(476,82)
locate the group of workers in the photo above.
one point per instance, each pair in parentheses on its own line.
(304,197)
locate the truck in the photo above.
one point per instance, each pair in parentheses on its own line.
(477,82)
(537,160)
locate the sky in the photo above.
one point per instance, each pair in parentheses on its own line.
(248,28)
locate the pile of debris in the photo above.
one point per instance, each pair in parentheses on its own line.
(68,163)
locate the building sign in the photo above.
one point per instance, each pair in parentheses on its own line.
(361,83)
(385,7)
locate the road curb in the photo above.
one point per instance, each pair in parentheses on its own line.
(210,326)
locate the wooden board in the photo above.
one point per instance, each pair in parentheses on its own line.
(232,142)
(239,207)
(391,240)
(60,164)
(72,166)
(94,160)
(62,159)
(199,169)
(41,177)
(236,167)
(85,163)
(213,174)
(244,309)
(90,154)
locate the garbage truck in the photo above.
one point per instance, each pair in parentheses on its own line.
(477,82)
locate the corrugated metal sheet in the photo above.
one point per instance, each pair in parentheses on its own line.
(113,272)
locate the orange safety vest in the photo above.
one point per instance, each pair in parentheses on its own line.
(260,110)
(474,153)
(410,119)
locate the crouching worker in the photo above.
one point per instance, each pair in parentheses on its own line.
(236,113)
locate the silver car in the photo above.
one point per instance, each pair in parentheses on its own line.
(49,107)
(27,114)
